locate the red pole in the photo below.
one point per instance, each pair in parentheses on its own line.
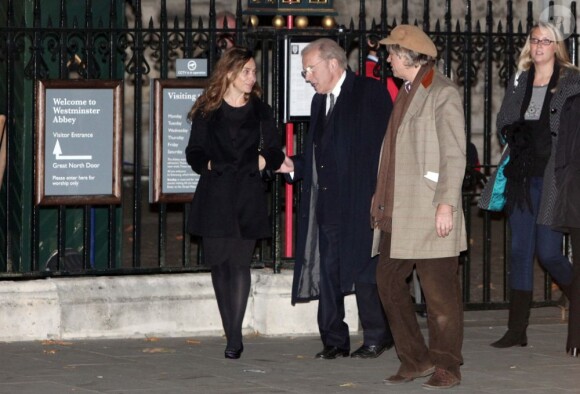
(288,215)
(289,227)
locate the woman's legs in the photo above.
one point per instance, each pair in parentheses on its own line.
(551,256)
(230,259)
(239,286)
(523,230)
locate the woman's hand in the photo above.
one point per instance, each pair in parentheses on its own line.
(444,220)
(209,165)
(261,162)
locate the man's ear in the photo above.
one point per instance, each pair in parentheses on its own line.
(333,64)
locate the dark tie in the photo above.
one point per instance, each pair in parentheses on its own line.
(331,106)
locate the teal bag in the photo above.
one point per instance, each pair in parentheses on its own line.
(493,194)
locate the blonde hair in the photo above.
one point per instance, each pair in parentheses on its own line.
(232,61)
(561,53)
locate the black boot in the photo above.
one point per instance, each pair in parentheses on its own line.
(519,315)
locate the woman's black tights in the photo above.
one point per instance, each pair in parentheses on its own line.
(230,260)
(231,283)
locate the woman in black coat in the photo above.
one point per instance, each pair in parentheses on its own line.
(567,208)
(233,137)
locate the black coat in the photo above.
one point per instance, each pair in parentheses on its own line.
(360,120)
(232,194)
(567,206)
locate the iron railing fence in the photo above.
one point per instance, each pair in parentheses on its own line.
(65,39)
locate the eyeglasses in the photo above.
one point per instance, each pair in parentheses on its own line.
(309,69)
(537,41)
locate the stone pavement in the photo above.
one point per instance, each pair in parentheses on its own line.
(283,364)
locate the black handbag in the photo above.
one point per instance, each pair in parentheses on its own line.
(267,175)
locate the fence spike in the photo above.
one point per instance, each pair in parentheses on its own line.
(437,26)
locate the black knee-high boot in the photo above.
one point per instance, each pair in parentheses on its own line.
(519,315)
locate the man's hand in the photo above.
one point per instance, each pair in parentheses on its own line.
(444,220)
(261,162)
(287,166)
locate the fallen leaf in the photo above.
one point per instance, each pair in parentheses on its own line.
(50,342)
(158,350)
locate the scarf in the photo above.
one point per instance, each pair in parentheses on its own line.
(382,206)
(521,138)
(519,168)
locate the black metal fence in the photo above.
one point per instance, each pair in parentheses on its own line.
(66,39)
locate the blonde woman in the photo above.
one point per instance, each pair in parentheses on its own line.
(529,121)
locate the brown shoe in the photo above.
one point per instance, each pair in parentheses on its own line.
(398,379)
(441,379)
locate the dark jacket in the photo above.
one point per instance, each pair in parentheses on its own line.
(510,112)
(567,206)
(233,192)
(360,120)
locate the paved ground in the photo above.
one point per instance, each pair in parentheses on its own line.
(282,364)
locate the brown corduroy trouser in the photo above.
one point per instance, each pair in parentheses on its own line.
(440,285)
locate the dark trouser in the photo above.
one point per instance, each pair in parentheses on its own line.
(230,260)
(574,294)
(376,330)
(528,239)
(440,285)
(333,329)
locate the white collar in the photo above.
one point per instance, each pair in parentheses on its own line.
(338,86)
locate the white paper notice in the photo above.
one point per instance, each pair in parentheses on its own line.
(432,176)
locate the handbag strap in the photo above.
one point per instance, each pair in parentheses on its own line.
(261,144)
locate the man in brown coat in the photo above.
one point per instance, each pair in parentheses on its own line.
(418,208)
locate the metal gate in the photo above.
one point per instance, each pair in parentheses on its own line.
(109,39)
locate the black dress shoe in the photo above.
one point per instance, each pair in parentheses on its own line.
(233,354)
(332,352)
(371,351)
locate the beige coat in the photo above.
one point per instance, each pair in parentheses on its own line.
(430,144)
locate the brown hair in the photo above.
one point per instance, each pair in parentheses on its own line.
(226,70)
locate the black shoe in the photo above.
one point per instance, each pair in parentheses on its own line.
(371,351)
(332,352)
(233,354)
(511,338)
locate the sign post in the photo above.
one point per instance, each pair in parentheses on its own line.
(78,142)
(172,179)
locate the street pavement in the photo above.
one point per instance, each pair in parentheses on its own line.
(284,364)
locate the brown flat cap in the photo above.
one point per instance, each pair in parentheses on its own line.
(413,38)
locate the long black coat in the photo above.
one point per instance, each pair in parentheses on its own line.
(567,208)
(232,193)
(361,114)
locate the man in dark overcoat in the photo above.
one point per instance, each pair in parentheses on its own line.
(349,116)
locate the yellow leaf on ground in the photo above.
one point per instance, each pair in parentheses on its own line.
(158,350)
